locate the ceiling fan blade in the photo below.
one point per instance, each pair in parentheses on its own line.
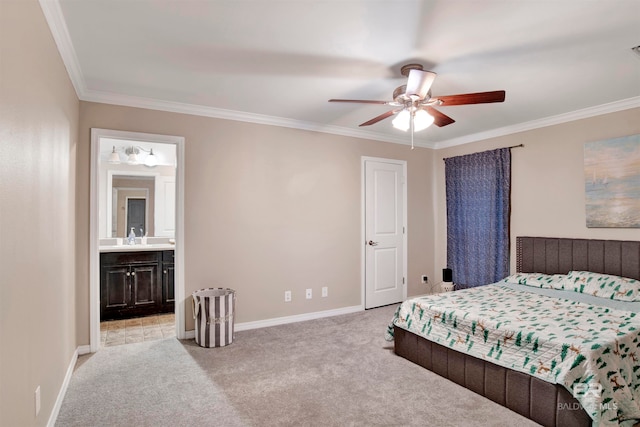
(439,118)
(419,83)
(360,101)
(472,98)
(380,117)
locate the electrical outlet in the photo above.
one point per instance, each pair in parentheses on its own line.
(37,399)
(287,296)
(325,292)
(309,294)
(425,279)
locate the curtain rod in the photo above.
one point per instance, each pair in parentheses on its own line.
(513,146)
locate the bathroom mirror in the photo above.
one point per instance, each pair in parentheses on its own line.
(134,194)
(132,204)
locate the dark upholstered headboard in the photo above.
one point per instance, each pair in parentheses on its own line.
(561,255)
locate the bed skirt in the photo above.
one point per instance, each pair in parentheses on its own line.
(547,404)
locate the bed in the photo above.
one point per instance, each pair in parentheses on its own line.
(472,357)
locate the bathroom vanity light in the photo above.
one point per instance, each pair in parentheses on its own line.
(132,155)
(151,160)
(114,157)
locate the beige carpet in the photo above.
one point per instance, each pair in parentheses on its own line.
(336,371)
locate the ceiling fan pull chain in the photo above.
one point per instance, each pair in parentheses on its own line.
(411,122)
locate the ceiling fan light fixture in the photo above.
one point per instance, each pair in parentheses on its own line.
(402,120)
(422,120)
(414,105)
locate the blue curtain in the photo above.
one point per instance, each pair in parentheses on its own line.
(478,188)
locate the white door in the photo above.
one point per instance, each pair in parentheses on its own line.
(385,205)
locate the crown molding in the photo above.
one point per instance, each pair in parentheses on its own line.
(58,27)
(219,113)
(585,113)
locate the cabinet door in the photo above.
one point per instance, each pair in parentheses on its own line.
(114,292)
(168,294)
(165,206)
(144,283)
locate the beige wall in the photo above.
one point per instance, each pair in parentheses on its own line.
(38,132)
(547,193)
(267,209)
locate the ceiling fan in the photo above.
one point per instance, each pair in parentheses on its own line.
(414,104)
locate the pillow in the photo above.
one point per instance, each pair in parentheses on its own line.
(537,280)
(603,285)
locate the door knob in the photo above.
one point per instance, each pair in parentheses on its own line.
(372,243)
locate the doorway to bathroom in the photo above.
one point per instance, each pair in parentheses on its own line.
(136,237)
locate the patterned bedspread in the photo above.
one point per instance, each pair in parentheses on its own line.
(592,350)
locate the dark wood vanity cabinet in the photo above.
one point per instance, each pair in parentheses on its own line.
(168,293)
(135,284)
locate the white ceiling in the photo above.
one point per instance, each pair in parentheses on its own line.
(279,61)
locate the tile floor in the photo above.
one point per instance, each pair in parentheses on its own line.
(117,332)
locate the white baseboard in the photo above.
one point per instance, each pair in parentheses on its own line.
(83,349)
(245,326)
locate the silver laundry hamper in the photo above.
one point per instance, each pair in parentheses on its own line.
(214,311)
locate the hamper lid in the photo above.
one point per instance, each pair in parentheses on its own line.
(212,292)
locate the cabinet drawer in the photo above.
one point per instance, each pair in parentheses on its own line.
(112,258)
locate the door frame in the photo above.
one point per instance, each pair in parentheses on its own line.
(363,230)
(94,251)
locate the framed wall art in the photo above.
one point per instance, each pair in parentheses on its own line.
(612,182)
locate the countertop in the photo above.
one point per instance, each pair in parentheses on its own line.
(138,248)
